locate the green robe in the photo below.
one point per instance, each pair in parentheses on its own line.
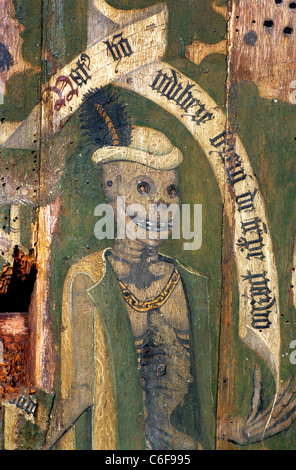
(195,416)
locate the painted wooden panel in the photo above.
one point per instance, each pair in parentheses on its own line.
(147,233)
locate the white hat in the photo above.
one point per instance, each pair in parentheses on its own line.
(148,147)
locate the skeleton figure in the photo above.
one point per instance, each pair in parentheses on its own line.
(135,346)
(160,327)
(146,316)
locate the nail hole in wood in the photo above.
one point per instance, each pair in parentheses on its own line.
(268,24)
(288,30)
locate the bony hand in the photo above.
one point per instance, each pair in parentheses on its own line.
(261,424)
(27,420)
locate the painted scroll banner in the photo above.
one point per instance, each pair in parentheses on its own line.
(121,52)
(131,58)
(257,275)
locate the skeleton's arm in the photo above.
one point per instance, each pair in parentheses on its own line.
(262,424)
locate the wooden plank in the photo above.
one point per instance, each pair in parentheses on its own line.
(261,45)
(133,342)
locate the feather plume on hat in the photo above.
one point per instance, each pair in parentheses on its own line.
(108,128)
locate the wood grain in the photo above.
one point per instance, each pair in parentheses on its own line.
(262,39)
(247,80)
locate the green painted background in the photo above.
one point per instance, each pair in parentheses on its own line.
(267,130)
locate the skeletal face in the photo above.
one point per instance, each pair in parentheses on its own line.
(151,199)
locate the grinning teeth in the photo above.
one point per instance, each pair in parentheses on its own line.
(152,226)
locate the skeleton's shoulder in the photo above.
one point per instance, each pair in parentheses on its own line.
(92,265)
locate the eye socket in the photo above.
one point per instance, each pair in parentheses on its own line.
(172,190)
(143,188)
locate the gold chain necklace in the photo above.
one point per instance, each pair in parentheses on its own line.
(145,305)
